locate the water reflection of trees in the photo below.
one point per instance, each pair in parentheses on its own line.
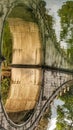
(5,85)
(43,124)
(65,112)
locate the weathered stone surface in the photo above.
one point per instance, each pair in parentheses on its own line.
(51,80)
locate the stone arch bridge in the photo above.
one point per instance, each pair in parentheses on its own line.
(42,56)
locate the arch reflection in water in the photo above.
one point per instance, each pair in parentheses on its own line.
(20,87)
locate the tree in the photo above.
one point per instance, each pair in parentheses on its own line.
(66,34)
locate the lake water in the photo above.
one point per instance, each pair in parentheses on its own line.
(52,122)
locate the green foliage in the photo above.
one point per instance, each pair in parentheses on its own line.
(23,12)
(60,126)
(65,112)
(5,84)
(66,18)
(66,34)
(7,44)
(60,112)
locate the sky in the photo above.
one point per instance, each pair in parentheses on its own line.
(53,6)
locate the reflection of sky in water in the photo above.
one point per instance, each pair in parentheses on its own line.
(53,6)
(52,124)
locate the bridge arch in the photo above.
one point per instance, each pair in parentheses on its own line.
(32,121)
(45,106)
(28,60)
